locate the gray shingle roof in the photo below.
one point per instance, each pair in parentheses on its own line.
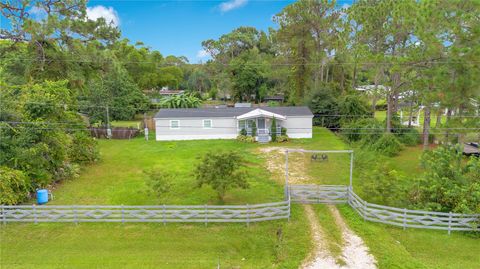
(227,112)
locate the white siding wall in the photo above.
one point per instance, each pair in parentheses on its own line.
(298,127)
(192,128)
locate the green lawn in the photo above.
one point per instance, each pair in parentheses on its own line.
(119,179)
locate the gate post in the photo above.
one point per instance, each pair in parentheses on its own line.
(286,174)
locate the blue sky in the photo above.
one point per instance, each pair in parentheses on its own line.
(179,27)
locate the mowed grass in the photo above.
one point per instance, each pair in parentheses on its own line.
(119,179)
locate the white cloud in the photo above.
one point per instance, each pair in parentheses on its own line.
(108,13)
(232,4)
(202,54)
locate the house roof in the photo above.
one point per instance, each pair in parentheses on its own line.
(257,113)
(230,112)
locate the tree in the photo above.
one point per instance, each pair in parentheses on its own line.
(187,100)
(222,171)
(274,129)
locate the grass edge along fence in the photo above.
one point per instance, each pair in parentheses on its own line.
(153,213)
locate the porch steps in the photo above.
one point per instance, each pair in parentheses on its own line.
(263,139)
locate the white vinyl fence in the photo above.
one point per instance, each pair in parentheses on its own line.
(332,194)
(161,213)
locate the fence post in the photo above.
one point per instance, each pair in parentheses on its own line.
(318,194)
(404,219)
(34,213)
(75,217)
(206,215)
(365,210)
(449,222)
(123,215)
(289,207)
(4,217)
(248,215)
(163,215)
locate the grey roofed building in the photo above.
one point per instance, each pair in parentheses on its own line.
(224,112)
(229,122)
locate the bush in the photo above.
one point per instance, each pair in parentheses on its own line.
(273,104)
(366,130)
(14,186)
(448,183)
(254,129)
(282,138)
(222,171)
(246,138)
(274,130)
(352,107)
(384,186)
(83,149)
(158,181)
(243,132)
(387,145)
(409,136)
(283,131)
(324,105)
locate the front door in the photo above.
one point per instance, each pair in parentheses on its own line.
(261,126)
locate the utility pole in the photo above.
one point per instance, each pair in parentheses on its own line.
(109,131)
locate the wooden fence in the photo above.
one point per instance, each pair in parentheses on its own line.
(406,218)
(117,132)
(160,213)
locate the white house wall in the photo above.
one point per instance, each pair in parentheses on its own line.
(192,129)
(223,128)
(298,127)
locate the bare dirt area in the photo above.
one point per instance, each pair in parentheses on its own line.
(275,157)
(355,254)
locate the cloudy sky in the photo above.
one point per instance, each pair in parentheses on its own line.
(179,27)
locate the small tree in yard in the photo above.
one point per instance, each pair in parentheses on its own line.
(222,171)
(274,129)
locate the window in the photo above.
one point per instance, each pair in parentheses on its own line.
(174,124)
(241,125)
(207,123)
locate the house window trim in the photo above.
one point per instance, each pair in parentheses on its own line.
(211,124)
(175,128)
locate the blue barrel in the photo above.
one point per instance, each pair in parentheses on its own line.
(42,196)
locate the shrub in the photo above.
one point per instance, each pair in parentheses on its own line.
(282,138)
(273,104)
(274,129)
(245,138)
(448,183)
(409,136)
(83,149)
(384,186)
(14,186)
(352,107)
(254,129)
(387,145)
(243,132)
(366,130)
(283,131)
(158,181)
(324,105)
(222,171)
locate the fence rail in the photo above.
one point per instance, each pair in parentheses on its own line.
(319,194)
(406,218)
(161,213)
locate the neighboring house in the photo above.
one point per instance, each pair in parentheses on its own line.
(226,123)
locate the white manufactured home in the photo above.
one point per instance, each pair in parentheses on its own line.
(227,122)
